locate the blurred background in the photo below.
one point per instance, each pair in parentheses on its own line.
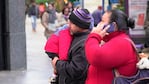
(22,56)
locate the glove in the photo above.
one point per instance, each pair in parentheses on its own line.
(143,63)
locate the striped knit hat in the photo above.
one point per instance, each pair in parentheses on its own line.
(81,18)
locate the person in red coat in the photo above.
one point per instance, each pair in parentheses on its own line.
(116,52)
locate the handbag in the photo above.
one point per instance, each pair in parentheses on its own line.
(141,77)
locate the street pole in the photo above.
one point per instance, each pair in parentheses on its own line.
(82,3)
(103,6)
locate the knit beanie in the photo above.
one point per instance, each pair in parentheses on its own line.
(81,18)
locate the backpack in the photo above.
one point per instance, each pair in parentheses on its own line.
(142,76)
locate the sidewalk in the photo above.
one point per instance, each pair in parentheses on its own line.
(39,67)
(38,63)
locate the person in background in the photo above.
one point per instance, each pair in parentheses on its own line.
(66,48)
(33,13)
(117,53)
(45,22)
(62,17)
(52,17)
(70,6)
(97,14)
(66,13)
(41,9)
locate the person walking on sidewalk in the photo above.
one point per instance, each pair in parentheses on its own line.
(33,14)
(45,24)
(48,20)
(69,61)
(52,17)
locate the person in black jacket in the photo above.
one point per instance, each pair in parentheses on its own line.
(33,14)
(74,69)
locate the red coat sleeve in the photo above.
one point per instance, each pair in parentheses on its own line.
(111,54)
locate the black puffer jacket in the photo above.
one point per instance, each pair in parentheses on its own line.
(74,70)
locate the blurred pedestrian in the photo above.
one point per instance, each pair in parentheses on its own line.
(45,23)
(62,17)
(66,48)
(41,9)
(60,21)
(52,17)
(33,14)
(66,13)
(97,14)
(48,20)
(116,53)
(70,6)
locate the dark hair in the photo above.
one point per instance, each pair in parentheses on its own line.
(52,3)
(63,10)
(121,19)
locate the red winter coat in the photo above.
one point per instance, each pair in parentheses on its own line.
(59,43)
(117,53)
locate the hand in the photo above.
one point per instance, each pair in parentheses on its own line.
(99,29)
(55,72)
(142,55)
(55,59)
(143,63)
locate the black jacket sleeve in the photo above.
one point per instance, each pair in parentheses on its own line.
(74,67)
(51,55)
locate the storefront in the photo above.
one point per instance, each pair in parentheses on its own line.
(135,9)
